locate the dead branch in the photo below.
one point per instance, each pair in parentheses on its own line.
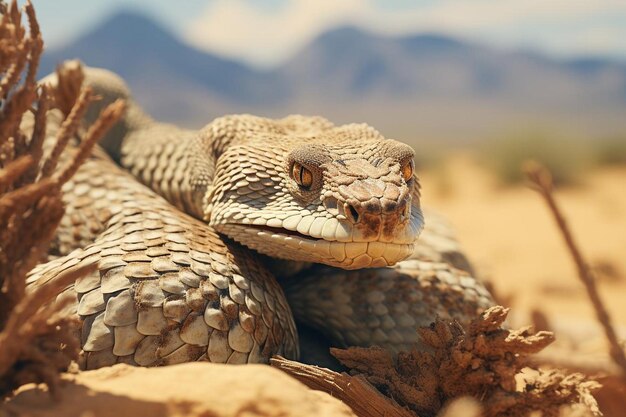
(69,127)
(37,339)
(19,329)
(35,148)
(36,45)
(70,78)
(355,391)
(15,49)
(541,181)
(485,362)
(13,171)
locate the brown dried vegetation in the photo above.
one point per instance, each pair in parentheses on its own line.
(486,362)
(35,340)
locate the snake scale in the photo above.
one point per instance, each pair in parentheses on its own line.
(212,244)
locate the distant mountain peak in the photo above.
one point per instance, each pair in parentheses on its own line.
(405,84)
(130,17)
(132,26)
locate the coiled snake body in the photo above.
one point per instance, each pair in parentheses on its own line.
(193,230)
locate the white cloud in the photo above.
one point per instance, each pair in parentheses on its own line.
(240,29)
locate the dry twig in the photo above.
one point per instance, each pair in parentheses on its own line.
(541,181)
(36,339)
(108,117)
(356,392)
(35,147)
(69,127)
(71,77)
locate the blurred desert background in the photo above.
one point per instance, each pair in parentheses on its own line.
(475,87)
(513,240)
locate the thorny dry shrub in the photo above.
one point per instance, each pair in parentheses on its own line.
(35,340)
(483,371)
(485,362)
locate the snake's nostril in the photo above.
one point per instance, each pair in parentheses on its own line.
(351,213)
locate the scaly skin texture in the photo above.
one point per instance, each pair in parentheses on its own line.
(180,275)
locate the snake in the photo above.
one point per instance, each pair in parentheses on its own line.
(248,238)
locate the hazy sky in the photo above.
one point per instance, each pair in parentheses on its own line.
(264,32)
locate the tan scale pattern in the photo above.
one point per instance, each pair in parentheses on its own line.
(168,289)
(173,288)
(255,201)
(383,307)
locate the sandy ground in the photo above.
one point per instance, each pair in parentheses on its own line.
(191,390)
(513,240)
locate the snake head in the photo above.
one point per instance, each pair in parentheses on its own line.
(342,196)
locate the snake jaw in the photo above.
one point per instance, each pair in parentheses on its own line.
(284,244)
(320,239)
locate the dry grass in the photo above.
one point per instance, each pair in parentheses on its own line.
(36,342)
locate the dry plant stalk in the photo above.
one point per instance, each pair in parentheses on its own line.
(17,246)
(486,362)
(364,399)
(68,128)
(106,120)
(71,79)
(36,341)
(541,181)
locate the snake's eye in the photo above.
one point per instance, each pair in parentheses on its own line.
(407,170)
(301,175)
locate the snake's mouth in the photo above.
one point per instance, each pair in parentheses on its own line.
(289,244)
(282,231)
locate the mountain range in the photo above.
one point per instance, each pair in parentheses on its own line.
(411,87)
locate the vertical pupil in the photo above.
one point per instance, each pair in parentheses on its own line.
(301,175)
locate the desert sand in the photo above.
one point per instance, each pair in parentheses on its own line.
(194,389)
